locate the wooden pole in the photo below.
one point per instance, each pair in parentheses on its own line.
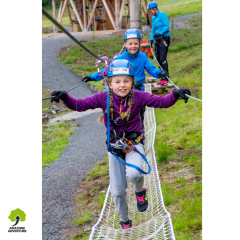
(144,11)
(62,12)
(92,14)
(136,15)
(128,14)
(54,14)
(76,13)
(109,13)
(69,15)
(117,6)
(84,16)
(149,15)
(121,13)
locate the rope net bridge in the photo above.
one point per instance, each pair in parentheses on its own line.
(156,222)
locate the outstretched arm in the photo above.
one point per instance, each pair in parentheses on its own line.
(79,105)
(95,76)
(150,100)
(151,69)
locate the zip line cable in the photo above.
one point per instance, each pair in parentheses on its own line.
(196,99)
(66,91)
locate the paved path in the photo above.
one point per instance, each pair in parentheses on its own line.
(60,180)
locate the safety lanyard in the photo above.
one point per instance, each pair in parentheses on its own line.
(112,150)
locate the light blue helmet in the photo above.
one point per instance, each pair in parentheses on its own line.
(132,33)
(120,67)
(152,5)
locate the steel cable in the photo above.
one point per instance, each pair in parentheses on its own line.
(196,99)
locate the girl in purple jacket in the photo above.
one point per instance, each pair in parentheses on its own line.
(125,125)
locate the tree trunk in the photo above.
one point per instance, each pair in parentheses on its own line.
(54,14)
(117,6)
(136,15)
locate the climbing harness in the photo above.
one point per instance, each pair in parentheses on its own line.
(162,41)
(123,143)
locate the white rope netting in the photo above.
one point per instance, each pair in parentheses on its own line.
(156,222)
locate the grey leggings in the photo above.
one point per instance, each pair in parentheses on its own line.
(118,179)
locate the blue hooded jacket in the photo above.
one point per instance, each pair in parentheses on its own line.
(160,24)
(139,62)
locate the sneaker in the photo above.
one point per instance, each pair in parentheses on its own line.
(142,201)
(163,82)
(127,224)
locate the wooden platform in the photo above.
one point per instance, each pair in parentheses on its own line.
(158,89)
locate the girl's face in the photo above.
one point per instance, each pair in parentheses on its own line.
(121,85)
(132,45)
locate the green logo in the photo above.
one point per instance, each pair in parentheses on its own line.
(17,215)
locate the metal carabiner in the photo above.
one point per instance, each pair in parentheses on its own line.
(104,73)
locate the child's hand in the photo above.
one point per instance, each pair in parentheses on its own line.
(58,95)
(86,79)
(180,93)
(157,35)
(163,74)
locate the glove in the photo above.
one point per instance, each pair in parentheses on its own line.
(86,79)
(157,35)
(151,43)
(58,95)
(151,57)
(163,74)
(180,94)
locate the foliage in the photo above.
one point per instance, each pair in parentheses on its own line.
(54,140)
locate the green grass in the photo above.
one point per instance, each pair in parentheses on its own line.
(47,23)
(54,140)
(182,7)
(100,169)
(83,218)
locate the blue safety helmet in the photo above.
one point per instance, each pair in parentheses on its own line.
(152,5)
(132,33)
(120,67)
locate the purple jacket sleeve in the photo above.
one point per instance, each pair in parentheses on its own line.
(84,104)
(155,101)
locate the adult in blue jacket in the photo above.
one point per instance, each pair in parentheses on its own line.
(160,33)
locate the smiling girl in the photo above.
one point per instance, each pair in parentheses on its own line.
(124,108)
